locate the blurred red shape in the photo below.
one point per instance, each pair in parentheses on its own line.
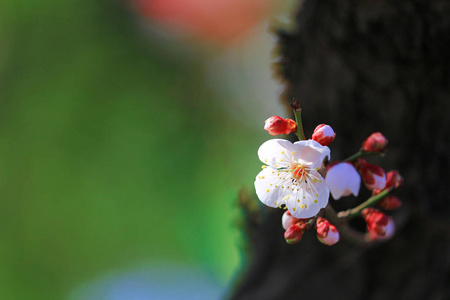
(217,21)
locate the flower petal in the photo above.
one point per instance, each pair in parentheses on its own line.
(268,187)
(310,152)
(321,188)
(276,153)
(309,198)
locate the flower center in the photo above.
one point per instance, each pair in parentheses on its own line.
(298,171)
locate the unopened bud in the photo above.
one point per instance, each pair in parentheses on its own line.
(276,125)
(323,134)
(390,203)
(389,231)
(288,220)
(373,176)
(326,233)
(376,142)
(393,179)
(379,225)
(294,233)
(342,179)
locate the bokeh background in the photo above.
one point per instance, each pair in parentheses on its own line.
(126,131)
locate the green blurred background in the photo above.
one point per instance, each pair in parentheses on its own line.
(122,151)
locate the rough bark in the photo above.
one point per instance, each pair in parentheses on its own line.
(365,66)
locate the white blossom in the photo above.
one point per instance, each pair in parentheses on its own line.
(291,176)
(342,179)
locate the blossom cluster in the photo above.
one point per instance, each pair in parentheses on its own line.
(300,177)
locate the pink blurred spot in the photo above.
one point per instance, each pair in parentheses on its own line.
(217,21)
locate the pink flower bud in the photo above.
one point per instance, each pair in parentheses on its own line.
(379,226)
(342,179)
(294,233)
(390,203)
(276,125)
(288,220)
(323,134)
(373,176)
(326,233)
(393,179)
(376,142)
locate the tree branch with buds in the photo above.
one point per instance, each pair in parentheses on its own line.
(298,177)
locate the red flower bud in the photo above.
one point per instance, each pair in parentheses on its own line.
(393,179)
(288,220)
(390,203)
(294,233)
(276,125)
(326,233)
(373,176)
(323,134)
(376,142)
(379,225)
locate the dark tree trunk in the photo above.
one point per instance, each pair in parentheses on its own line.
(365,66)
